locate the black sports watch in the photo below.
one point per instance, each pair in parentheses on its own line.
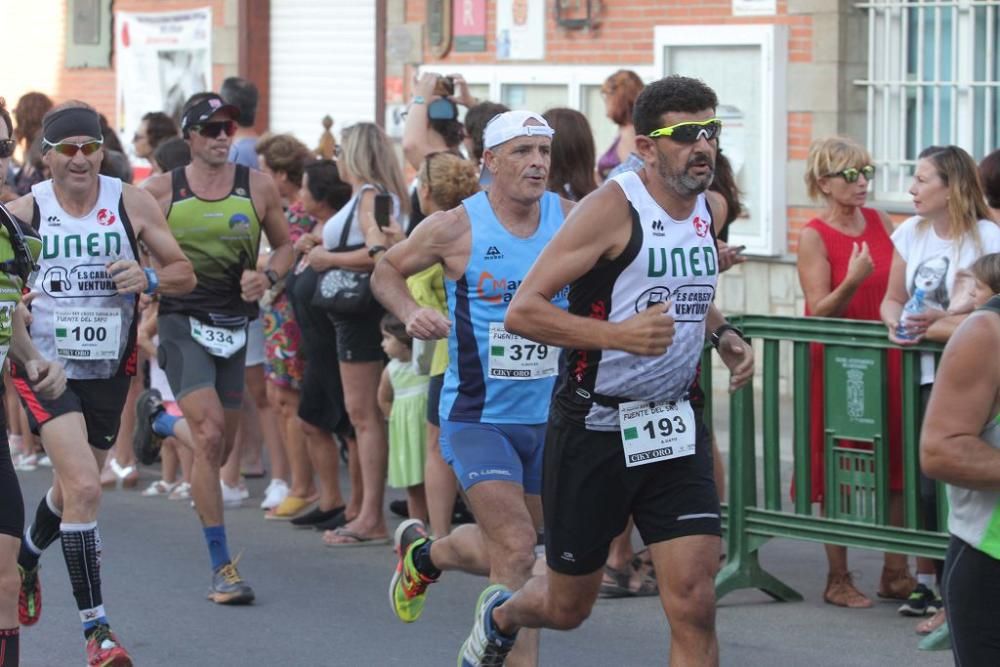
(716,336)
(272,276)
(376,249)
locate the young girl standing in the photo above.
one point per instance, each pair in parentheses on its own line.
(402,396)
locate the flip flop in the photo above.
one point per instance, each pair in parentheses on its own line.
(359,539)
(289,508)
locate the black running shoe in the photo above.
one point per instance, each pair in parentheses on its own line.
(920,602)
(461,514)
(228,587)
(145,442)
(400,508)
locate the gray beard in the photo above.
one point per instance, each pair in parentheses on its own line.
(682,183)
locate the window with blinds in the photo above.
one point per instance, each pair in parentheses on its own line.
(933,79)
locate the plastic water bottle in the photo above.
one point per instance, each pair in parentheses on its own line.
(914,306)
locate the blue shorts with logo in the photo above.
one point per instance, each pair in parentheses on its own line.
(494,452)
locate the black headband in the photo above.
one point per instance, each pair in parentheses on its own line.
(71,122)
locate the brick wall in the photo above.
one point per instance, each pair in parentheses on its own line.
(625,36)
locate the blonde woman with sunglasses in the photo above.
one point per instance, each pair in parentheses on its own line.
(843,263)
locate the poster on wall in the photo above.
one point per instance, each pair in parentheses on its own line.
(469,30)
(162,59)
(520,29)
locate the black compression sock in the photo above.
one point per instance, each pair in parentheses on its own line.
(10,647)
(81,545)
(422,561)
(41,533)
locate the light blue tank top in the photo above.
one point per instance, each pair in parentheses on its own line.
(495,377)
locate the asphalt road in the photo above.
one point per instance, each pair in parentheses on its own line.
(320,606)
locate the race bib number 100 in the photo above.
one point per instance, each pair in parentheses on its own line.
(514,358)
(88,334)
(218,341)
(656,431)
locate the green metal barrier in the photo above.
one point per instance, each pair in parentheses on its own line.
(856,502)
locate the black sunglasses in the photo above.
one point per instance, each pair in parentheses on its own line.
(851,174)
(211,130)
(7,147)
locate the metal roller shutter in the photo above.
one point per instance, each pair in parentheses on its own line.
(322,62)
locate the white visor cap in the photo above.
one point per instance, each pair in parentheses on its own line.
(510,124)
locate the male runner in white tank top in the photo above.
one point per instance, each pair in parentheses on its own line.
(625,434)
(84,306)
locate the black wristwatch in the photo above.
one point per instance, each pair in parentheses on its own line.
(376,249)
(716,336)
(272,276)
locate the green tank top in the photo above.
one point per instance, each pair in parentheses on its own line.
(221,238)
(10,283)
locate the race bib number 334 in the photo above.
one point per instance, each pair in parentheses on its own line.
(656,431)
(221,342)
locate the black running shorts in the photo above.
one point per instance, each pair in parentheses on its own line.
(588,495)
(11,502)
(100,401)
(189,366)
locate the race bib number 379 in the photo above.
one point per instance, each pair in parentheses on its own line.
(656,431)
(512,357)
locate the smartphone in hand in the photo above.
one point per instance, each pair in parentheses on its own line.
(383,204)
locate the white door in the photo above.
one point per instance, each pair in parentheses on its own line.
(322,62)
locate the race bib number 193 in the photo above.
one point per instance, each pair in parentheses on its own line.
(656,431)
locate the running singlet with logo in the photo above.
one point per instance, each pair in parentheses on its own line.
(665,259)
(10,285)
(493,376)
(221,238)
(973,515)
(78,315)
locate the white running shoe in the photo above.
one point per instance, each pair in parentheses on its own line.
(27,462)
(233,496)
(45,461)
(275,492)
(159,488)
(181,492)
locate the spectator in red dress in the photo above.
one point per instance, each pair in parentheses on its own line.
(844,259)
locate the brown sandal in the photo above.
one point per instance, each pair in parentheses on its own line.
(896,584)
(626,583)
(840,591)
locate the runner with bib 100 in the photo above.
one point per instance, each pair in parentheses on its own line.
(84,314)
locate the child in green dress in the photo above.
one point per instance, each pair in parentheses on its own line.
(402,396)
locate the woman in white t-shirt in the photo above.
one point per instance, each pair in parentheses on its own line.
(952,228)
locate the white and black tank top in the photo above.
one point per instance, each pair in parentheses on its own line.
(665,259)
(78,316)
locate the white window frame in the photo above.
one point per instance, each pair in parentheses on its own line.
(888,84)
(772,40)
